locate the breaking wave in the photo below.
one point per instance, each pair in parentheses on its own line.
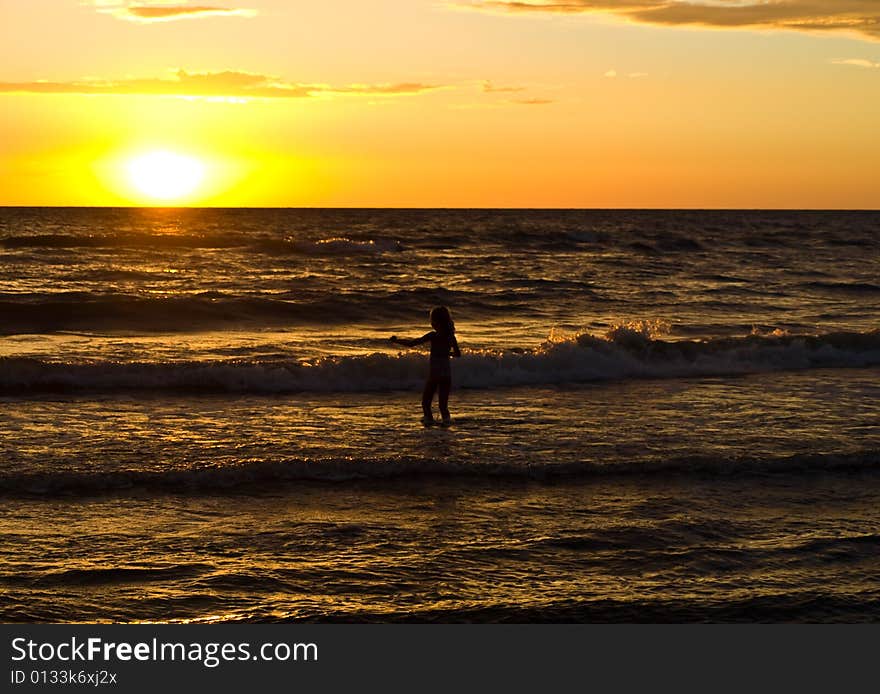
(625,353)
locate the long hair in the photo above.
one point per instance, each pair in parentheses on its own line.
(441,320)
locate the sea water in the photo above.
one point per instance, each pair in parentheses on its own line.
(658,416)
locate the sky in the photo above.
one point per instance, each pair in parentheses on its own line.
(441,103)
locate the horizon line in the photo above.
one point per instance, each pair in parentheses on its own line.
(449,208)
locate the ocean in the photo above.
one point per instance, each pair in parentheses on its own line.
(658,416)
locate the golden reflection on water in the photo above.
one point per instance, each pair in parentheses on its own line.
(372,551)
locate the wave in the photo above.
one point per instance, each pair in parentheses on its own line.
(800,607)
(98,576)
(845,287)
(336,245)
(654,232)
(48,312)
(341,246)
(251,475)
(84,311)
(625,353)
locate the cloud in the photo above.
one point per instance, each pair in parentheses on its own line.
(490,88)
(612,74)
(532,102)
(858,62)
(861,17)
(148,11)
(167,14)
(398,88)
(229,83)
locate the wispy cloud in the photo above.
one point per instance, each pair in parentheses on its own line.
(149,11)
(613,74)
(396,88)
(490,88)
(856,16)
(532,102)
(229,83)
(857,62)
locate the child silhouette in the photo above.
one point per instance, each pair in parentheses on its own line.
(443,345)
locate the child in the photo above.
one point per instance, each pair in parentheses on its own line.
(443,342)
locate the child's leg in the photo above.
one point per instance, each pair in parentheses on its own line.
(428,396)
(445,386)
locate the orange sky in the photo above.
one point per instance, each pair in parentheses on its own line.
(578,103)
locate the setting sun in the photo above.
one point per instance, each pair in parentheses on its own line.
(165,175)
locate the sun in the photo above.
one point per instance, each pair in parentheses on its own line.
(165,175)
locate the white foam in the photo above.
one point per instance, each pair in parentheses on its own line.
(622,355)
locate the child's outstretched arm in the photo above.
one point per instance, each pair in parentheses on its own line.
(456,352)
(411,343)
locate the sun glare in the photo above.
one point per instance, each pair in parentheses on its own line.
(165,175)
